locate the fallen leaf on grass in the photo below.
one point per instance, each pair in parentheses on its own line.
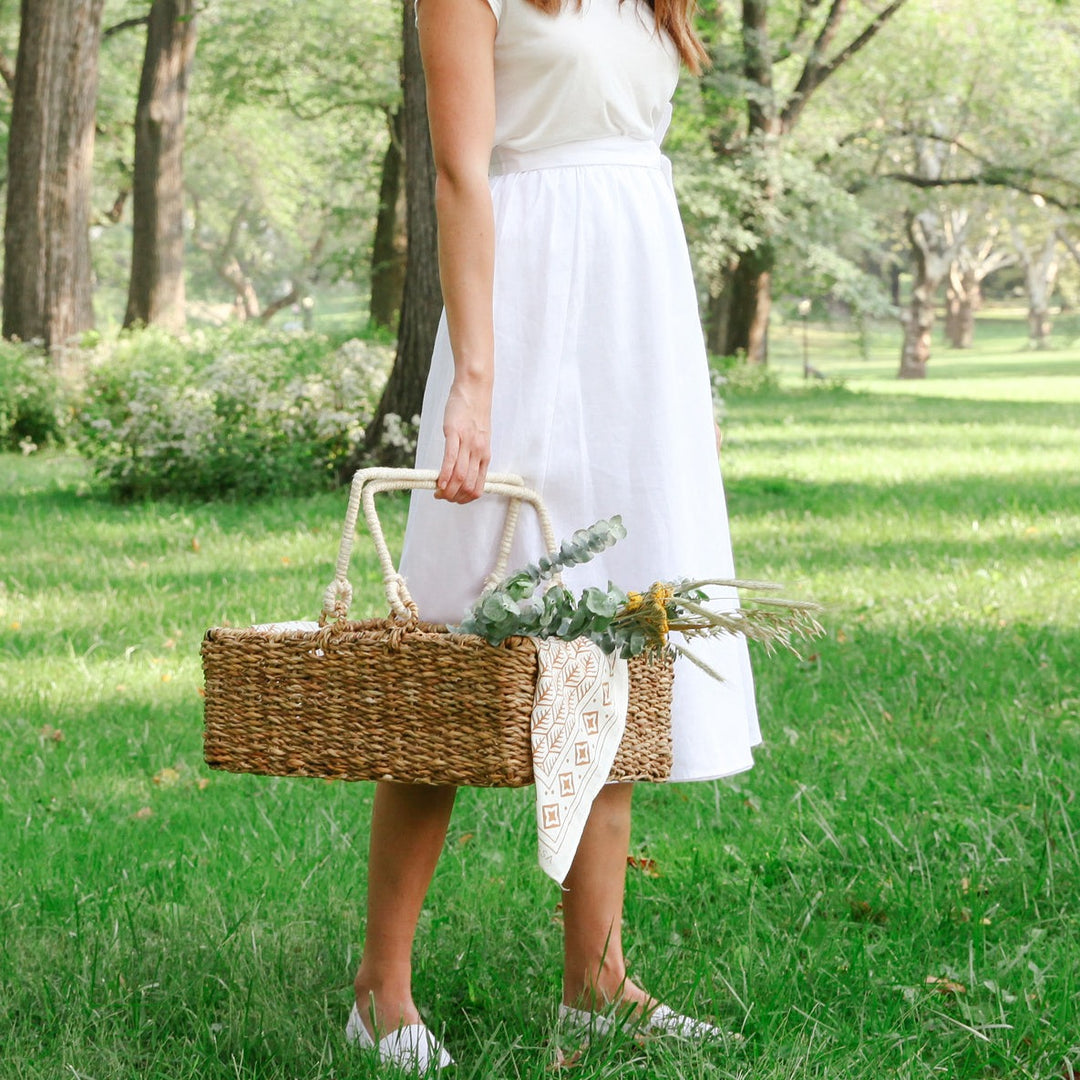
(170,643)
(143,813)
(643,863)
(51,733)
(202,783)
(195,545)
(565,1060)
(864,911)
(167,777)
(945,986)
(464,838)
(201,691)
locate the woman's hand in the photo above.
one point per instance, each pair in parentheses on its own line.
(467,427)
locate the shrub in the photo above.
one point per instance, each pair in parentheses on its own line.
(34,410)
(734,376)
(242,411)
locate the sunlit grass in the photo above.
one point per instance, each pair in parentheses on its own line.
(1000,368)
(912,815)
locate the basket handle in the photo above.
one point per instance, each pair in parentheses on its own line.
(366,483)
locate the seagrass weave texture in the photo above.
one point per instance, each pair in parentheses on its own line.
(400,699)
(376,700)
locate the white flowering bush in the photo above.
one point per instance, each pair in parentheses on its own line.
(34,405)
(241,411)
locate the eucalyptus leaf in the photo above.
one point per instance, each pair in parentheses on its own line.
(599,603)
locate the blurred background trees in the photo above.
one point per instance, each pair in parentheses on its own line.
(175,163)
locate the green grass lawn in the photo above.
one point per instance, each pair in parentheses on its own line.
(999,368)
(894,890)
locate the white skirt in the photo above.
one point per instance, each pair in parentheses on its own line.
(602,403)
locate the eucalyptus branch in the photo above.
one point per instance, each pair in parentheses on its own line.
(630,624)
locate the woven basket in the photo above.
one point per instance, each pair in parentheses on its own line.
(400,699)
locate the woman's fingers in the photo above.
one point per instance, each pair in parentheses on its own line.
(461,478)
(467,428)
(446,470)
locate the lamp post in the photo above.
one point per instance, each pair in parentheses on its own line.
(804,314)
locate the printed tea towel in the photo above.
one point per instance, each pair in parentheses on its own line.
(578,720)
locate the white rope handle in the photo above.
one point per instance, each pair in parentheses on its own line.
(367,483)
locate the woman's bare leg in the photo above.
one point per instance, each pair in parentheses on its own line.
(408,828)
(594,971)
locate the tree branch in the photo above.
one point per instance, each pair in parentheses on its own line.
(999,178)
(793,43)
(1070,245)
(7,72)
(125,24)
(280,303)
(817,71)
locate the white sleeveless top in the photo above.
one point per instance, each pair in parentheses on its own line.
(600,72)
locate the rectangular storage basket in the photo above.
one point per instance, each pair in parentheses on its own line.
(399,699)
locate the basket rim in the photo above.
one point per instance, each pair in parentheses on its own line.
(349,629)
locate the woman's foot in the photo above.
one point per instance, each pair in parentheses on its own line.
(411,1046)
(388,1020)
(383,1008)
(611,992)
(656,1020)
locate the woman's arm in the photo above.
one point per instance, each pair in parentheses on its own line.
(457,41)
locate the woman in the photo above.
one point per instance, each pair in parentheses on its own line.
(570,353)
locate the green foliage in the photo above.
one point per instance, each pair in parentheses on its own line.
(731,375)
(625,624)
(34,410)
(512,607)
(231,412)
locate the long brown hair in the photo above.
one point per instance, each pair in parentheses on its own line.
(674,16)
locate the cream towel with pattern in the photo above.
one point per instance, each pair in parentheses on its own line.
(578,720)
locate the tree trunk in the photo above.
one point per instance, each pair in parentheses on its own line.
(389,249)
(953,302)
(932,260)
(918,322)
(47,281)
(1040,277)
(751,283)
(936,238)
(970,303)
(718,315)
(156,288)
(245,300)
(751,302)
(421,304)
(1039,327)
(960,307)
